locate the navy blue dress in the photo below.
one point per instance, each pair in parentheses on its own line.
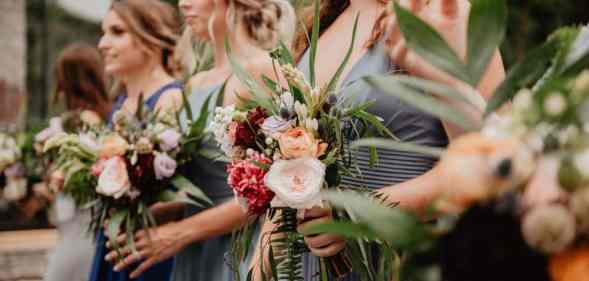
(103,270)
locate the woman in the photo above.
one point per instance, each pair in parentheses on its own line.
(403,177)
(81,84)
(201,240)
(137,45)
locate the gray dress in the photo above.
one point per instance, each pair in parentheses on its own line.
(72,256)
(404,121)
(207,260)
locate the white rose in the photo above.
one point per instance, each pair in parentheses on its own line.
(16,189)
(297,183)
(114,180)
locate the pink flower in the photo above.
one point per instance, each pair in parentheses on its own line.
(15,170)
(55,127)
(97,168)
(246,177)
(164,166)
(298,182)
(169,139)
(298,142)
(114,179)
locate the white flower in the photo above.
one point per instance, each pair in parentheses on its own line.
(90,142)
(297,183)
(274,125)
(311,124)
(169,139)
(523,101)
(549,228)
(16,189)
(55,127)
(287,101)
(555,104)
(301,110)
(114,180)
(164,166)
(581,161)
(582,82)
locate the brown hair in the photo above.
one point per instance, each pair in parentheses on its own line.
(155,24)
(79,72)
(329,10)
(265,21)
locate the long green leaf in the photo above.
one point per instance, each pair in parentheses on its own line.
(423,102)
(186,105)
(528,71)
(313,43)
(346,229)
(577,58)
(430,45)
(197,128)
(114,227)
(185,185)
(400,146)
(337,75)
(486,30)
(255,90)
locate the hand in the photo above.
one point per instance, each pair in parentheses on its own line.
(448,17)
(163,242)
(321,245)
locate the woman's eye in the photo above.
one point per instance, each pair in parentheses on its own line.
(117,31)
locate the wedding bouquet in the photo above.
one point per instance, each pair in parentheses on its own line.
(288,147)
(119,173)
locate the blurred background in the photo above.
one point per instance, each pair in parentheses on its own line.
(33,32)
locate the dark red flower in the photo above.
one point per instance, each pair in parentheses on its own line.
(256,117)
(247,180)
(142,174)
(244,136)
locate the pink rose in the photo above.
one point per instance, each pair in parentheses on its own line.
(113,145)
(297,183)
(114,180)
(164,166)
(169,139)
(298,142)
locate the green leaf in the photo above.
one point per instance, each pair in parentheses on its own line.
(313,43)
(270,84)
(400,146)
(114,227)
(130,230)
(256,91)
(374,122)
(346,229)
(185,185)
(186,105)
(197,128)
(486,30)
(528,71)
(336,77)
(428,44)
(422,101)
(577,58)
(140,104)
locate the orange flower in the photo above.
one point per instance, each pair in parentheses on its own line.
(572,265)
(298,142)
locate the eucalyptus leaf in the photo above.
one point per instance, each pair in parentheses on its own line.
(313,43)
(486,30)
(400,146)
(423,102)
(429,44)
(577,58)
(114,227)
(528,71)
(185,185)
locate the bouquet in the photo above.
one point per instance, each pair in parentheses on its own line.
(119,173)
(287,148)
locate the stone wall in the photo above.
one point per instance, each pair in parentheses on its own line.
(13,50)
(24,254)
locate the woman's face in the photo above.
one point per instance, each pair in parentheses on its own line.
(197,14)
(122,53)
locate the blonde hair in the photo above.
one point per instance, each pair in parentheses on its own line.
(265,21)
(155,24)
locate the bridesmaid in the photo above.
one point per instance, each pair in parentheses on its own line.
(81,84)
(201,241)
(404,177)
(137,45)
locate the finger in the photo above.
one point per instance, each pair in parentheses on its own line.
(121,241)
(316,213)
(323,240)
(450,8)
(114,255)
(143,267)
(329,251)
(131,259)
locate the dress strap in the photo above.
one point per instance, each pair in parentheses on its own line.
(153,99)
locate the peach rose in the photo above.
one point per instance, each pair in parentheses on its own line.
(114,179)
(113,145)
(298,142)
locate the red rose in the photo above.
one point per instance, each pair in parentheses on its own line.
(142,174)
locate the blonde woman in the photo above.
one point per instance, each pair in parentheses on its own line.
(201,242)
(137,45)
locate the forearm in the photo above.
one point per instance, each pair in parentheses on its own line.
(260,263)
(416,194)
(213,222)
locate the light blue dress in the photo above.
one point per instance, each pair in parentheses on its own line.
(210,259)
(404,121)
